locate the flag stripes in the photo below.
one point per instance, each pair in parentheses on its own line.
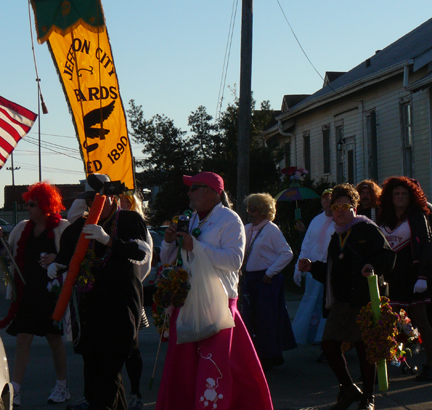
(15,122)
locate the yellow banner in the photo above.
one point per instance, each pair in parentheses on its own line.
(85,65)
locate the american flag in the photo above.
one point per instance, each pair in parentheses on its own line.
(15,123)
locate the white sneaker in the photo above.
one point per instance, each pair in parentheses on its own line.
(59,394)
(16,400)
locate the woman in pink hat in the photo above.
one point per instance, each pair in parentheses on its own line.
(221,371)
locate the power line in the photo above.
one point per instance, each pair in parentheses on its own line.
(62,153)
(51,144)
(35,167)
(298,42)
(304,52)
(226,59)
(53,135)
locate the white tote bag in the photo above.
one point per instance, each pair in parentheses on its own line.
(206,310)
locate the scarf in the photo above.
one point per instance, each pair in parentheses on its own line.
(357,219)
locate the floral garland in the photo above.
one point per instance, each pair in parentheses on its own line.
(161,320)
(55,285)
(85,280)
(408,338)
(172,287)
(387,338)
(294,173)
(379,338)
(7,276)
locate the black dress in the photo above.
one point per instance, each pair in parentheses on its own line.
(38,304)
(413,262)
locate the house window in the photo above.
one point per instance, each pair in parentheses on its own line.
(372,145)
(406,125)
(307,151)
(287,154)
(339,153)
(326,148)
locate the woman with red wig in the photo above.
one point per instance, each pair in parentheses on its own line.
(403,219)
(34,244)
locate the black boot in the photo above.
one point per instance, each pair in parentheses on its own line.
(367,403)
(347,396)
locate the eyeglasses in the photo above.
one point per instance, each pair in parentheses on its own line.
(252,210)
(193,188)
(31,204)
(344,207)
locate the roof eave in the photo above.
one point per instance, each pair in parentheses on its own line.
(347,89)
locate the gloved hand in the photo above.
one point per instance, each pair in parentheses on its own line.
(297,277)
(420,286)
(97,233)
(53,269)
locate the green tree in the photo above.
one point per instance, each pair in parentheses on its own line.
(211,146)
(167,159)
(205,140)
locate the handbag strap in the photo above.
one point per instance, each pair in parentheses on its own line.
(249,249)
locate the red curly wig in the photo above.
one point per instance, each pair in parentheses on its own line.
(48,197)
(417,202)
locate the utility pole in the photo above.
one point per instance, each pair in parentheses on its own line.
(12,168)
(244,107)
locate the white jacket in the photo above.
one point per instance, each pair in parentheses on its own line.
(223,240)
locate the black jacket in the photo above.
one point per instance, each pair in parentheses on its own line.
(421,245)
(365,245)
(110,313)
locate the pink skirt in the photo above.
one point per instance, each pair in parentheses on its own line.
(220,372)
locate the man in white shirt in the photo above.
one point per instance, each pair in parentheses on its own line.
(308,324)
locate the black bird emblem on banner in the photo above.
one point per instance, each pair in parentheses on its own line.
(94,117)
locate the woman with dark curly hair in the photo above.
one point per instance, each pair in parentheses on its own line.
(356,248)
(403,219)
(34,244)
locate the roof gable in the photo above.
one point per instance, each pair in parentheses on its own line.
(406,49)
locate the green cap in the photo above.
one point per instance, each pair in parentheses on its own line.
(327,191)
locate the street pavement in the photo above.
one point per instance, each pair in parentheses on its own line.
(301,383)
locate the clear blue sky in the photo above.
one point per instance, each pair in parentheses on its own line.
(169,58)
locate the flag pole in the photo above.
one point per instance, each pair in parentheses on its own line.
(40,98)
(39,127)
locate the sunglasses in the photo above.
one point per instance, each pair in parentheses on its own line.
(193,188)
(344,207)
(252,210)
(31,204)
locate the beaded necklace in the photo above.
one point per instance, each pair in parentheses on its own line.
(197,231)
(342,243)
(100,262)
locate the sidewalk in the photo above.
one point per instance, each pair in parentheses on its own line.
(300,384)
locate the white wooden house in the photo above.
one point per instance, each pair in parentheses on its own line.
(373,121)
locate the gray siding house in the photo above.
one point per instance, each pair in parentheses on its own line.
(373,121)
